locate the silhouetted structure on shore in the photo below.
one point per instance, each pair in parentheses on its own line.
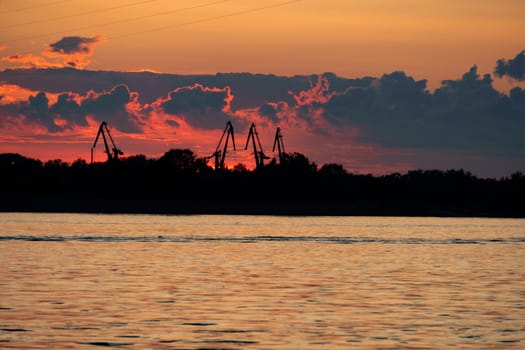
(112,154)
(278,142)
(180,182)
(220,155)
(258,152)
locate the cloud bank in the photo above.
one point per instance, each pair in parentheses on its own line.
(392,122)
(463,114)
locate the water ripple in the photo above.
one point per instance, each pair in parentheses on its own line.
(254,239)
(106,344)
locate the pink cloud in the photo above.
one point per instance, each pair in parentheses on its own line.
(318,93)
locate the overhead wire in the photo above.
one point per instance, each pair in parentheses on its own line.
(118,21)
(79,14)
(208,19)
(20,9)
(201,20)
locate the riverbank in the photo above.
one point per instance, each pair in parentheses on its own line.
(178,183)
(245,207)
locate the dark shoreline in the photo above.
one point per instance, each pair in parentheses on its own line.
(223,207)
(179,183)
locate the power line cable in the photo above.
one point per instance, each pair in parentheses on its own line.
(79,14)
(118,21)
(208,19)
(20,9)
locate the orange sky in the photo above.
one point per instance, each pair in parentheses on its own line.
(434,40)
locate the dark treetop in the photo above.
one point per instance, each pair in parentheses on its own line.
(180,183)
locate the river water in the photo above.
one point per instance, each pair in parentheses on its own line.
(82,281)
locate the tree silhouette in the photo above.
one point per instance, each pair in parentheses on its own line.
(183,161)
(298,164)
(332,169)
(240,168)
(180,176)
(15,161)
(55,164)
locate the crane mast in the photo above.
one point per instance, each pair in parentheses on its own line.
(278,141)
(220,155)
(112,154)
(257,148)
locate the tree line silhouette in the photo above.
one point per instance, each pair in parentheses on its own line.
(181,182)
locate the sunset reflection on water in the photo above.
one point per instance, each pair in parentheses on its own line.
(235,282)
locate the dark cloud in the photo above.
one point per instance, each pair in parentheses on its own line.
(67,107)
(514,68)
(70,45)
(517,97)
(200,106)
(70,51)
(38,104)
(74,109)
(37,109)
(250,89)
(112,106)
(385,110)
(271,110)
(395,110)
(108,103)
(464,114)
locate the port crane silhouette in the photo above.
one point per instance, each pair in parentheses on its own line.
(219,155)
(257,148)
(114,152)
(278,141)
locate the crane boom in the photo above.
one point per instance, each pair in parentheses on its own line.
(220,155)
(115,151)
(278,141)
(257,148)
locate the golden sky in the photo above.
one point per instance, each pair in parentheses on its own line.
(432,40)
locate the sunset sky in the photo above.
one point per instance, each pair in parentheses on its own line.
(427,40)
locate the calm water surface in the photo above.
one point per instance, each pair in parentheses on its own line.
(79,281)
